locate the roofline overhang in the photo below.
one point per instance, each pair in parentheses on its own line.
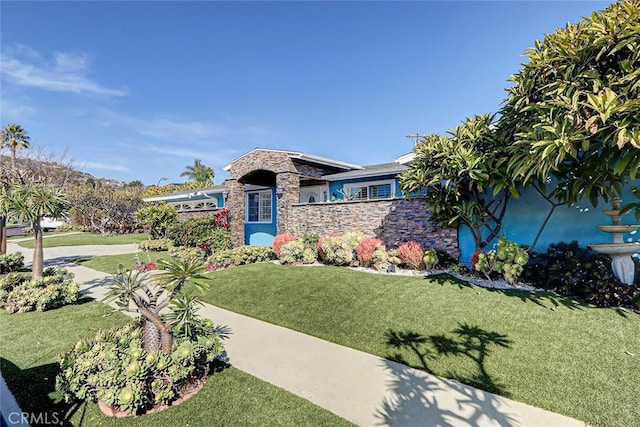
(337,177)
(406,158)
(189,195)
(302,156)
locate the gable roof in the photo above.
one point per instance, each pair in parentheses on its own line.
(312,158)
(368,171)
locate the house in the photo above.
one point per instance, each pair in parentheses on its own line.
(277,191)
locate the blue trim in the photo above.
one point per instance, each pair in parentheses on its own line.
(335,186)
(262,233)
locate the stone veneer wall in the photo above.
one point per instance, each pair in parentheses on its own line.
(393,221)
(196,214)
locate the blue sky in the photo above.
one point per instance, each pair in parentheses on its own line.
(138,90)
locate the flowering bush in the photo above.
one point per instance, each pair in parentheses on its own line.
(341,250)
(11,262)
(240,256)
(187,253)
(295,252)
(508,260)
(149,266)
(365,250)
(411,254)
(114,368)
(221,219)
(19,293)
(321,238)
(280,240)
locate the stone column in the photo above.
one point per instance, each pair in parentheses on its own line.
(290,184)
(235,204)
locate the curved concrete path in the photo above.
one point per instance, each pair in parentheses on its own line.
(364,389)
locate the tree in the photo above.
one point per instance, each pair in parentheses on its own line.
(174,288)
(463,178)
(199,172)
(104,208)
(15,138)
(573,112)
(29,203)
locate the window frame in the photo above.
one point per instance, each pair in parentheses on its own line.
(368,184)
(259,193)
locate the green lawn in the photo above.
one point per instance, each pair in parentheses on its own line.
(31,343)
(81,239)
(109,263)
(548,351)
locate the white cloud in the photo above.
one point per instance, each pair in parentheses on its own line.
(66,72)
(15,111)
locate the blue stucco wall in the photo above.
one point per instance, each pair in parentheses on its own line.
(260,234)
(525,216)
(335,186)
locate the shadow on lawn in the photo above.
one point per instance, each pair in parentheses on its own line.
(544,299)
(415,399)
(31,388)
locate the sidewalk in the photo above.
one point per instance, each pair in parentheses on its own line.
(364,389)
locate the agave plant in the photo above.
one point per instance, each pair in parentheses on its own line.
(137,292)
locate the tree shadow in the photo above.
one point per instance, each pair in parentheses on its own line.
(546,299)
(32,389)
(468,341)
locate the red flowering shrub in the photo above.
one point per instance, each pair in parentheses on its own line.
(411,254)
(211,267)
(149,266)
(221,219)
(280,240)
(365,250)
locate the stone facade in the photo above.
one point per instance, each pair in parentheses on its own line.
(393,221)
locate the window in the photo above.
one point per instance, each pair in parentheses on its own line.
(259,206)
(312,199)
(370,190)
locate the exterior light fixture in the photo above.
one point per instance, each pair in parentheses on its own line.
(279,190)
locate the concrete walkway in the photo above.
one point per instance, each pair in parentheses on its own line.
(364,389)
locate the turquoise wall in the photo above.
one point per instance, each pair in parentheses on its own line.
(260,234)
(334,186)
(525,216)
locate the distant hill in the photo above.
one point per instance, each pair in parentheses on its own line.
(55,172)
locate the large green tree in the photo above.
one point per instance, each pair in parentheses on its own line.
(199,172)
(463,178)
(29,203)
(573,112)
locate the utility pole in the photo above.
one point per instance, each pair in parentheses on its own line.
(415,138)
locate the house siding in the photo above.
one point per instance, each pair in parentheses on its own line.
(336,186)
(394,221)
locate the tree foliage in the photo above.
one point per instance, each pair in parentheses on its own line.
(463,178)
(199,172)
(158,217)
(14,137)
(574,109)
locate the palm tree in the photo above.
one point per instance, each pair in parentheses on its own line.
(31,202)
(173,288)
(199,172)
(15,138)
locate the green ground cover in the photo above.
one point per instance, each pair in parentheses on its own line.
(81,239)
(31,343)
(548,351)
(109,263)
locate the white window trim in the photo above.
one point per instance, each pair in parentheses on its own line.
(347,188)
(246,207)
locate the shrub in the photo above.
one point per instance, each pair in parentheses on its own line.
(66,227)
(221,219)
(411,254)
(195,232)
(154,245)
(294,252)
(341,250)
(18,293)
(280,240)
(568,269)
(188,254)
(310,240)
(321,238)
(149,266)
(157,218)
(508,260)
(445,260)
(240,256)
(380,259)
(11,262)
(114,368)
(394,258)
(430,259)
(365,250)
